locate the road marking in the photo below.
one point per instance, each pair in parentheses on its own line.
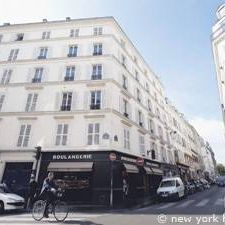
(219,201)
(167,205)
(202,203)
(185,204)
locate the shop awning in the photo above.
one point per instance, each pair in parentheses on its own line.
(157,171)
(131,168)
(148,170)
(70,166)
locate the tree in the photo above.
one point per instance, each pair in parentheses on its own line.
(221,169)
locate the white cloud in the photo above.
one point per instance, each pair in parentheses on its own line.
(213,132)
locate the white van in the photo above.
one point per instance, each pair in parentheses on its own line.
(171,188)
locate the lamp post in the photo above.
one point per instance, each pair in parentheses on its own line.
(37,157)
(112,158)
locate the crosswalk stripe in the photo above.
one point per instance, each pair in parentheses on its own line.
(202,203)
(185,204)
(167,205)
(219,201)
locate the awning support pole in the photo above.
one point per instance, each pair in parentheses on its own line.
(111,184)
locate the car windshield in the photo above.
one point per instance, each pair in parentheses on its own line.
(167,183)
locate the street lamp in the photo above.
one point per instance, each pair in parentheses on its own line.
(37,157)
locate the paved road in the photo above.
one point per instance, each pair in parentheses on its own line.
(205,207)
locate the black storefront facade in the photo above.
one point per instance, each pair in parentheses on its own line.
(107,178)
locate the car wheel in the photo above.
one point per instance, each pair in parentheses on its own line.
(1,207)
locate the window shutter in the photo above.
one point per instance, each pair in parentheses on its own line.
(28,103)
(45,75)
(30,75)
(74,101)
(103,99)
(34,102)
(58,100)
(136,116)
(129,110)
(87,100)
(120,104)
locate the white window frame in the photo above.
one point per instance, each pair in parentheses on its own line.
(97,49)
(70,73)
(96,72)
(126,138)
(31,102)
(2,99)
(142,144)
(93,134)
(6,76)
(97,31)
(46,35)
(13,54)
(24,135)
(62,134)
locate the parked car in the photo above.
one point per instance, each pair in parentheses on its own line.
(198,185)
(171,189)
(10,201)
(221,181)
(190,188)
(205,183)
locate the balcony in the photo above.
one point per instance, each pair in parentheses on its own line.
(36,80)
(96,77)
(42,57)
(67,78)
(95,106)
(97,53)
(126,114)
(65,107)
(71,55)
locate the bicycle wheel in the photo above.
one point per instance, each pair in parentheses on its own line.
(60,211)
(38,210)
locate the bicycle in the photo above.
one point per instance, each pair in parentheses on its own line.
(58,208)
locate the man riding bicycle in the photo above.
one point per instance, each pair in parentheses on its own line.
(48,191)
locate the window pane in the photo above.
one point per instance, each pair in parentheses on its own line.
(96,139)
(89,139)
(97,128)
(59,129)
(90,128)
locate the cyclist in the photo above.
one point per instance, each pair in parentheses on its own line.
(48,191)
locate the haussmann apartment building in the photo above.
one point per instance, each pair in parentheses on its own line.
(78,99)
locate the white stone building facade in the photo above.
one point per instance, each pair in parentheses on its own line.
(81,86)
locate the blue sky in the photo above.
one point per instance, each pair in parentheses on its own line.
(172,35)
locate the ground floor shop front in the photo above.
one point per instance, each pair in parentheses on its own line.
(101,178)
(107,178)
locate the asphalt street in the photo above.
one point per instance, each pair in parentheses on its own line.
(206,207)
